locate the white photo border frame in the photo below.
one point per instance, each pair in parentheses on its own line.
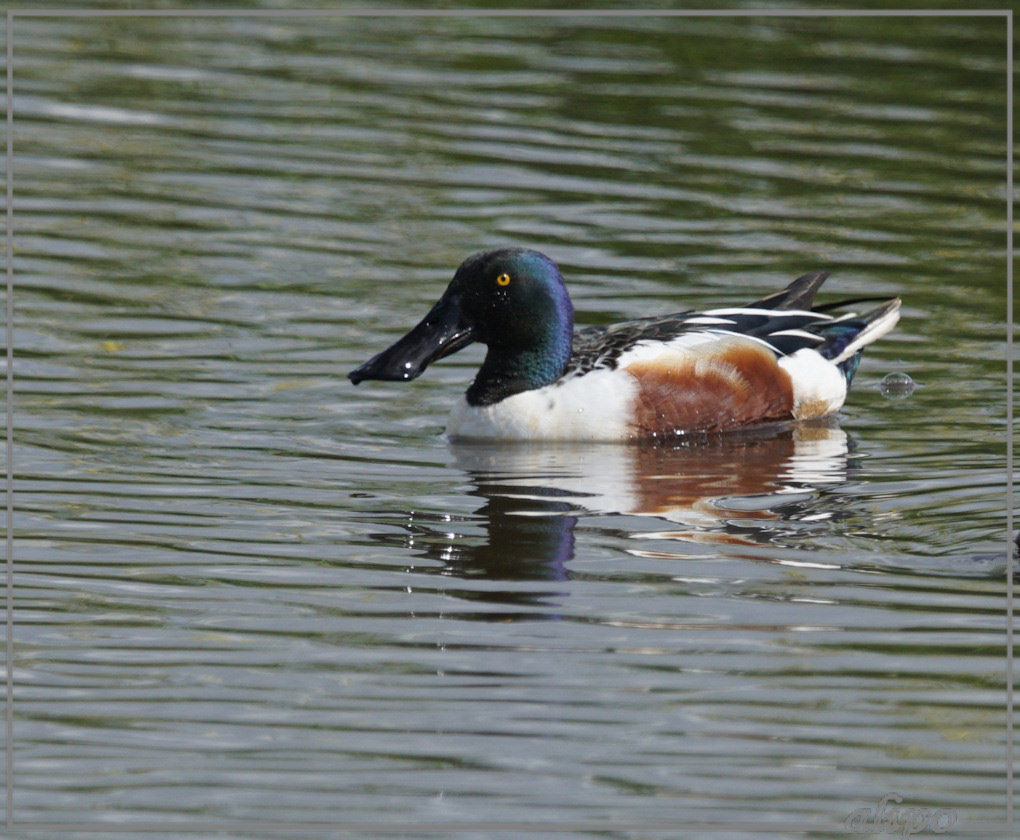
(1006,828)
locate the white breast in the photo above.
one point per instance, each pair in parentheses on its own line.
(595,406)
(819,387)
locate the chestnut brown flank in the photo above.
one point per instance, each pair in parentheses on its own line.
(738,385)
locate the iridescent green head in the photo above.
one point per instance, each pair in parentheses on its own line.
(513,300)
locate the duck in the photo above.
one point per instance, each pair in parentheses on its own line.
(778,359)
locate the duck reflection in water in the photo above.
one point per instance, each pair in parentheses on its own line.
(734,490)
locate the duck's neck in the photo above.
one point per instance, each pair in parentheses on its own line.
(507,371)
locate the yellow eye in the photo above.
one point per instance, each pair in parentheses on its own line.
(503,280)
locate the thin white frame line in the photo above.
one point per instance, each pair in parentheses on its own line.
(488,13)
(508,13)
(977,829)
(1010,545)
(9,642)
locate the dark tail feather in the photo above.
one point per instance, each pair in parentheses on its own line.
(839,304)
(845,339)
(798,295)
(849,367)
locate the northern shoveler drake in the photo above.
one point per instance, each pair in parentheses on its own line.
(691,372)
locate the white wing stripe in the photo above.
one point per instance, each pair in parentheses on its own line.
(798,334)
(771,313)
(703,320)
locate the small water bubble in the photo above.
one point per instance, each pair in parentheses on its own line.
(897,386)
